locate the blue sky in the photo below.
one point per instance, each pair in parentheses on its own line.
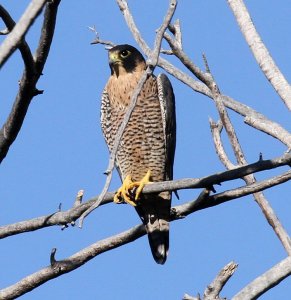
(60,150)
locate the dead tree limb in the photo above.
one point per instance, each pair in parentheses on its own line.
(11,42)
(27,86)
(260,51)
(266,281)
(71,215)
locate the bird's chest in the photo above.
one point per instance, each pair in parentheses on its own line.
(120,90)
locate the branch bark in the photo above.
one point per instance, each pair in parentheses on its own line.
(12,41)
(58,268)
(22,45)
(27,86)
(260,51)
(71,215)
(266,281)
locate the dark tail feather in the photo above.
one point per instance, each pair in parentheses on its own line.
(155,214)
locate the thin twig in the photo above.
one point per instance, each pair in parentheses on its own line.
(216,130)
(97,40)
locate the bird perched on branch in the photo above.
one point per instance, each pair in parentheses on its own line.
(147,147)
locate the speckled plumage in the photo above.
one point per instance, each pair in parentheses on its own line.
(148,141)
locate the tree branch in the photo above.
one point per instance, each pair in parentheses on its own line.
(266,281)
(58,268)
(71,215)
(27,86)
(215,287)
(260,52)
(22,46)
(208,80)
(219,198)
(252,118)
(12,41)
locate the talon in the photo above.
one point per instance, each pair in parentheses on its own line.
(124,193)
(140,184)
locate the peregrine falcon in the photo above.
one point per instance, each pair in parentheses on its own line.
(147,147)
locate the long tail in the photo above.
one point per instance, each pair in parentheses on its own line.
(154,211)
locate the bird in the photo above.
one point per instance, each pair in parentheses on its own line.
(147,147)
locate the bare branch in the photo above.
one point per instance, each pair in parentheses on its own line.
(151,64)
(60,267)
(272,128)
(216,129)
(123,6)
(207,78)
(47,34)
(27,86)
(188,297)
(213,290)
(79,198)
(14,38)
(266,281)
(260,52)
(252,118)
(22,45)
(249,179)
(66,217)
(97,40)
(189,207)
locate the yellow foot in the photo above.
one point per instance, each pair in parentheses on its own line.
(140,184)
(125,192)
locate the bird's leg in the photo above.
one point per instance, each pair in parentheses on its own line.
(123,193)
(140,184)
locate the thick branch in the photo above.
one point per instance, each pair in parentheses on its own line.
(22,46)
(217,199)
(75,261)
(12,41)
(66,217)
(260,52)
(266,281)
(58,268)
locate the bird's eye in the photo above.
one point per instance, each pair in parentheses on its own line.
(124,53)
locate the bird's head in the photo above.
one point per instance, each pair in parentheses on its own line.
(125,59)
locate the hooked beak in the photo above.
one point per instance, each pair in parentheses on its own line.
(113,58)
